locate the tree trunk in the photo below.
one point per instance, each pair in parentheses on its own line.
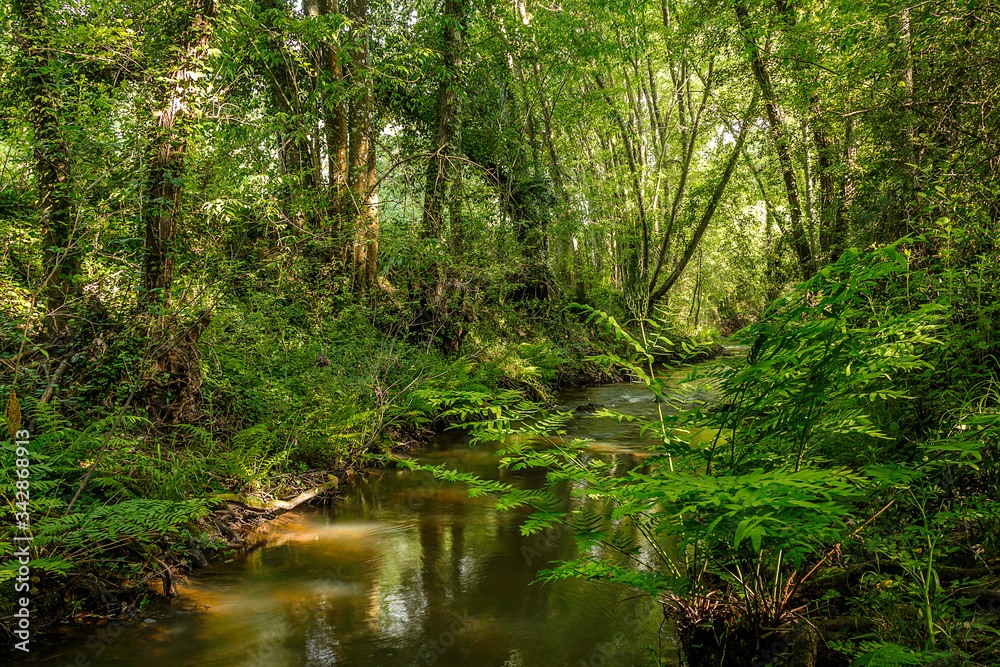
(295,153)
(779,134)
(456,217)
(655,103)
(362,209)
(633,170)
(720,187)
(529,122)
(640,127)
(168,146)
(831,235)
(847,189)
(335,126)
(445,141)
(565,253)
(689,136)
(832,227)
(52,166)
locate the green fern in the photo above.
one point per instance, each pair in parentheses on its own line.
(252,457)
(879,654)
(139,519)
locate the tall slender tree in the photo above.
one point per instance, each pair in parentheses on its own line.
(446,141)
(780,137)
(361,208)
(335,124)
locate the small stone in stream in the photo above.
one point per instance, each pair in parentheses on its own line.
(589,407)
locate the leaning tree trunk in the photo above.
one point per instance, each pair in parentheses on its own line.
(707,215)
(446,136)
(168,146)
(61,255)
(779,134)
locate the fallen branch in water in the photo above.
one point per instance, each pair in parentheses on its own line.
(284,505)
(305,496)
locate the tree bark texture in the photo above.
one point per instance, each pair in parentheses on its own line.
(360,211)
(447,135)
(168,147)
(335,128)
(52,165)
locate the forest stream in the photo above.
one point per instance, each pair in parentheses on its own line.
(406,570)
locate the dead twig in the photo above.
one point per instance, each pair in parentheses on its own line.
(790,593)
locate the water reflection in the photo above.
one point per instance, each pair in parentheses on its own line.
(407,571)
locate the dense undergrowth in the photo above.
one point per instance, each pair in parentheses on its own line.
(290,391)
(845,510)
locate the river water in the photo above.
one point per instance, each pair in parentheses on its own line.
(405,571)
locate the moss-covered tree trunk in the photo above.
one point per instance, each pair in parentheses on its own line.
(168,146)
(444,143)
(173,391)
(52,164)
